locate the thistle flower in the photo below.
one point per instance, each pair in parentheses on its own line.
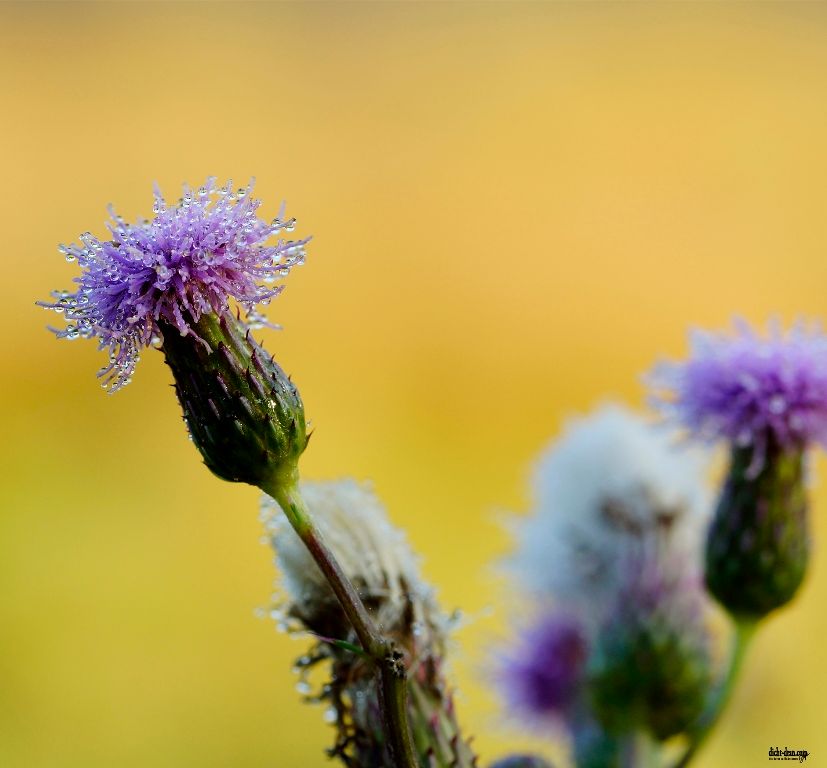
(542,676)
(767,397)
(169,282)
(377,559)
(752,392)
(612,487)
(161,274)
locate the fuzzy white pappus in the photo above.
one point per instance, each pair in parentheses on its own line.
(613,487)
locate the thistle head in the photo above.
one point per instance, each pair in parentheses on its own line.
(767,398)
(651,666)
(169,281)
(161,275)
(543,674)
(753,392)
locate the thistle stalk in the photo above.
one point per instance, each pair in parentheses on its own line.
(388,661)
(744,632)
(376,558)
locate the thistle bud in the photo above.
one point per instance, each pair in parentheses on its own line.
(758,543)
(244,414)
(651,667)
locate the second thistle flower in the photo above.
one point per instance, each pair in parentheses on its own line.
(766,397)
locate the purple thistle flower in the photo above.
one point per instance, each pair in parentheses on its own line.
(543,675)
(189,260)
(749,390)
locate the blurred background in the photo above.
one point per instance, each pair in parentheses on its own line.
(516,209)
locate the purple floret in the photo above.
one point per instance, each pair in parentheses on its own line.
(543,676)
(190,259)
(749,390)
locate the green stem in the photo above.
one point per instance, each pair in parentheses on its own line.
(648,751)
(389,663)
(744,632)
(639,750)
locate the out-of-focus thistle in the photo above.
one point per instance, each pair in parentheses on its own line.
(378,560)
(169,282)
(545,671)
(651,666)
(767,399)
(612,485)
(619,651)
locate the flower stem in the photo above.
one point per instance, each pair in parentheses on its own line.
(639,750)
(744,632)
(389,663)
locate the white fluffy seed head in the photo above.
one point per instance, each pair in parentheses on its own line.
(373,554)
(613,488)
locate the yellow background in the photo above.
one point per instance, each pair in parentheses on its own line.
(516,210)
